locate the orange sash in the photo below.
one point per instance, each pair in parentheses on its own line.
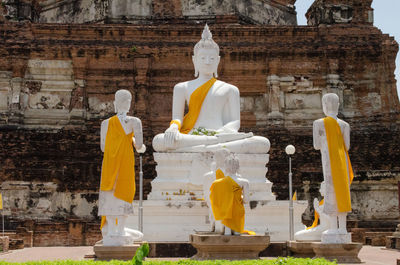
(195,104)
(342,176)
(227,204)
(118,163)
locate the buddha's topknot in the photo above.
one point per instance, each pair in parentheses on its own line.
(206,41)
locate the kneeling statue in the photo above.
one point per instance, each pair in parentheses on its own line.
(314,232)
(228,193)
(217,169)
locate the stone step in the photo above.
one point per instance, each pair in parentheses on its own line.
(37,63)
(16,244)
(376,238)
(58,86)
(48,76)
(4,244)
(342,253)
(4,84)
(186,250)
(5,75)
(211,246)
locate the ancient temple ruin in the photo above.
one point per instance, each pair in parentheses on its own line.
(62,61)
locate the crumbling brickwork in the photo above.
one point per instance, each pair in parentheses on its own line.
(340,11)
(267,12)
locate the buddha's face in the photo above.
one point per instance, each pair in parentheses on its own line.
(206,61)
(122,102)
(231,165)
(330,104)
(220,156)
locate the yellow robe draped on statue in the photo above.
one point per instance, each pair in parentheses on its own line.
(342,172)
(195,103)
(227,203)
(219,174)
(118,167)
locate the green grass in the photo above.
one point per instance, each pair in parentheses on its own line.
(278,261)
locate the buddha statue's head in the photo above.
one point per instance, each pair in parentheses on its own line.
(122,102)
(231,165)
(219,157)
(330,104)
(206,55)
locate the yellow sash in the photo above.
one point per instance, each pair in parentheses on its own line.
(342,176)
(316,217)
(118,163)
(219,174)
(195,103)
(227,204)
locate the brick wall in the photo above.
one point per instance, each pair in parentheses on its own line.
(284,68)
(70,233)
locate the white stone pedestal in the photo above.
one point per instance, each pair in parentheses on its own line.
(176,208)
(180,176)
(335,238)
(117,240)
(174,221)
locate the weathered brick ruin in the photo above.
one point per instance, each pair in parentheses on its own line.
(57,83)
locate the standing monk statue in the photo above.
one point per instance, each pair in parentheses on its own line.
(213,118)
(117,187)
(332,137)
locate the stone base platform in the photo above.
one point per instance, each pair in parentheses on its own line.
(376,238)
(180,176)
(186,250)
(119,252)
(343,253)
(212,246)
(174,221)
(392,242)
(4,244)
(301,249)
(336,238)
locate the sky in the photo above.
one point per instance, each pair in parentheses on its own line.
(386,18)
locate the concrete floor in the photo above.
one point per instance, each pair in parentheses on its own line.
(369,255)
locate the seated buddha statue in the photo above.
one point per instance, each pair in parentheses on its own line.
(213,118)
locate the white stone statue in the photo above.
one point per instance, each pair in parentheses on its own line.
(215,116)
(234,208)
(332,137)
(218,164)
(314,233)
(117,189)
